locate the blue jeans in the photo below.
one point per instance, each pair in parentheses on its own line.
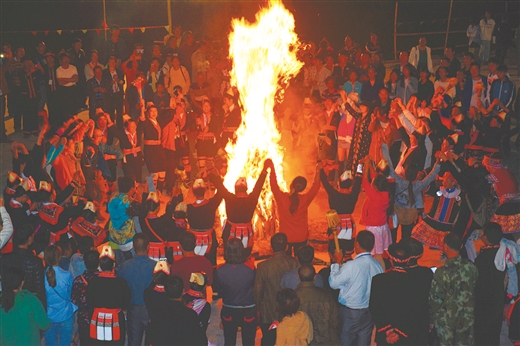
(60,333)
(485,47)
(137,320)
(356,326)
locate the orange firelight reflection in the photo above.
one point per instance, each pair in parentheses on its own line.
(264,59)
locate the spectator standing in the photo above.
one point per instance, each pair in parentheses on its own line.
(234,282)
(98,90)
(116,78)
(320,307)
(115,47)
(107,296)
(474,33)
(452,296)
(4,91)
(186,50)
(52,89)
(422,277)
(6,230)
(199,61)
(295,328)
(268,278)
(421,56)
(171,47)
(40,62)
(425,87)
(454,66)
(30,79)
(407,85)
(489,290)
(68,78)
(353,85)
(138,274)
(372,47)
(354,280)
(391,305)
(475,88)
(156,301)
(179,324)
(154,74)
(341,71)
(79,59)
(291,279)
(404,56)
(487,25)
(491,77)
(94,61)
(22,314)
(22,257)
(318,80)
(60,309)
(14,98)
(372,86)
(391,84)
(443,83)
(78,296)
(503,90)
(190,262)
(178,75)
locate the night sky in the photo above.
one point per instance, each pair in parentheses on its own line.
(314,19)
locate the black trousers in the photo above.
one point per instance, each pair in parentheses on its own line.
(30,114)
(115,108)
(172,162)
(245,318)
(53,108)
(67,102)
(3,104)
(15,108)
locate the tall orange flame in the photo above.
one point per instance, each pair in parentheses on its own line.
(264,59)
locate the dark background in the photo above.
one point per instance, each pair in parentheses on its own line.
(314,20)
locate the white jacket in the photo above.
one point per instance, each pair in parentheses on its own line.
(414,57)
(7,229)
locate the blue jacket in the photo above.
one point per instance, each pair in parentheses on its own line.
(138,274)
(357,88)
(504,91)
(59,306)
(468,92)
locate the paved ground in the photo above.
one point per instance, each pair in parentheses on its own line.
(316,212)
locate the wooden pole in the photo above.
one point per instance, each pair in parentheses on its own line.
(169,16)
(395,30)
(448,27)
(105,18)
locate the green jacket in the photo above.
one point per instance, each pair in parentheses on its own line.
(22,324)
(322,309)
(452,301)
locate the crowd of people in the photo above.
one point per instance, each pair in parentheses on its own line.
(94,254)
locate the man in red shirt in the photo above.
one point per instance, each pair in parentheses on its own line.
(190,262)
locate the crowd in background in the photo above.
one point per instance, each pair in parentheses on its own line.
(96,249)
